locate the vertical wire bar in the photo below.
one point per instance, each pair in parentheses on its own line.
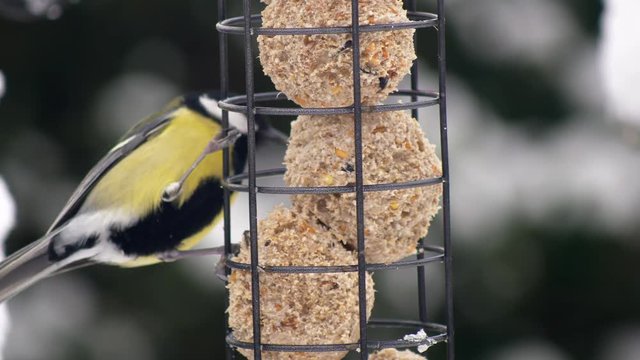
(253,213)
(226,194)
(444,144)
(421,271)
(422,284)
(411,6)
(357,120)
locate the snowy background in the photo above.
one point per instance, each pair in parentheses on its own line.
(544,115)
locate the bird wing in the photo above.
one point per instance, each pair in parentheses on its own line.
(25,267)
(138,135)
(31,264)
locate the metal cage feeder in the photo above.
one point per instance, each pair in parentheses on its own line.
(248,26)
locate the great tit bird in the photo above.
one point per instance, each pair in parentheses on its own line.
(153,196)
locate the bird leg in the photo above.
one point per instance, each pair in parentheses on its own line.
(222,140)
(221,266)
(173,255)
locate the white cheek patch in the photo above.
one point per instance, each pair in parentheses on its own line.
(236,120)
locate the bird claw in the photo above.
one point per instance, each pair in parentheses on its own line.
(221,269)
(221,266)
(223,139)
(169,256)
(246,238)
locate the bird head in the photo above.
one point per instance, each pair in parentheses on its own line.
(206,103)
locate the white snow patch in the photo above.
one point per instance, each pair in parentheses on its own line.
(619,58)
(3,87)
(417,337)
(7,220)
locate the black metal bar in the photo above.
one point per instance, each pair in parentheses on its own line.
(357,131)
(422,279)
(446,208)
(251,157)
(224,89)
(226,193)
(411,6)
(422,283)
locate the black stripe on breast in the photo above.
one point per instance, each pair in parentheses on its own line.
(239,154)
(168,226)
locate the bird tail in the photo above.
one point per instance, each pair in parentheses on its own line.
(27,266)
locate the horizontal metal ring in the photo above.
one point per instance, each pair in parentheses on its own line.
(235,26)
(439,331)
(436,251)
(238,104)
(233,183)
